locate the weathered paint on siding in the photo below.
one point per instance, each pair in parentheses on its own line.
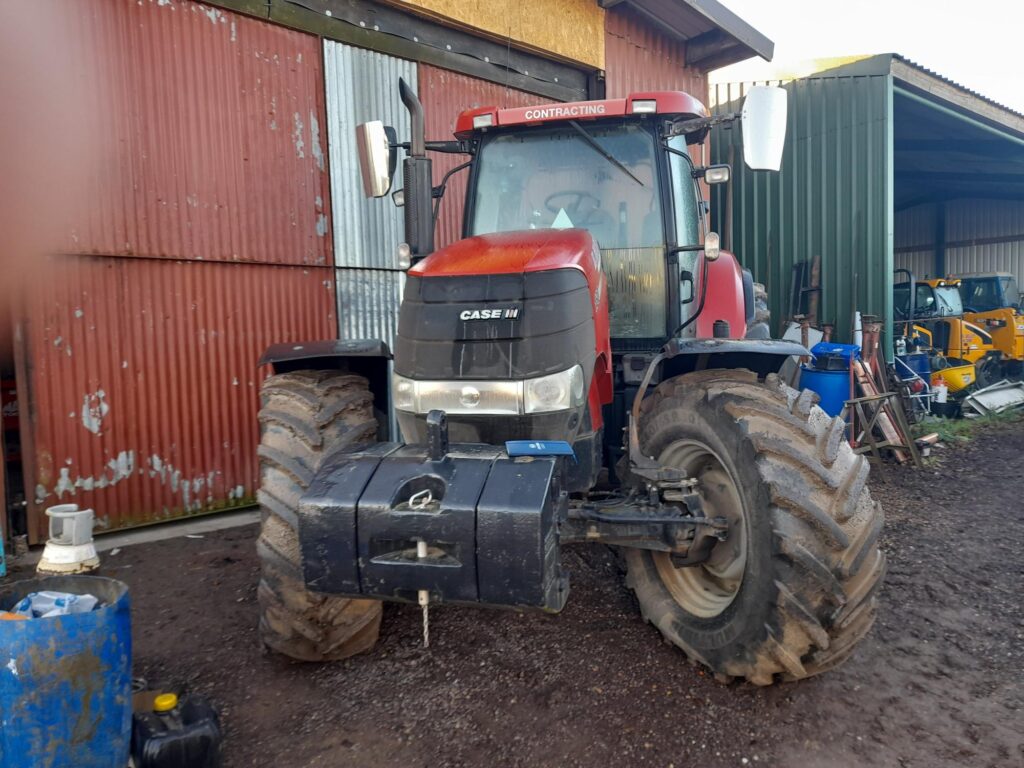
(833,196)
(142,381)
(208,135)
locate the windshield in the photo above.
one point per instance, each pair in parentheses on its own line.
(561,177)
(947,301)
(983,294)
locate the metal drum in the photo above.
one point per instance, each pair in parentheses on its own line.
(65,681)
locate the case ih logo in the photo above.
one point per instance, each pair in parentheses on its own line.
(511,313)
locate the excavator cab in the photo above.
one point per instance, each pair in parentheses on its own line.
(993,301)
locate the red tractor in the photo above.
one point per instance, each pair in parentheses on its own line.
(582,367)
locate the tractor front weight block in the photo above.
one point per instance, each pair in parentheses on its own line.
(488,522)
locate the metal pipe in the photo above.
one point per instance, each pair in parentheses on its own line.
(418,140)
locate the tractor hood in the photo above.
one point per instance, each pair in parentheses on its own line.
(514,253)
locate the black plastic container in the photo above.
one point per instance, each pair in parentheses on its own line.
(187,736)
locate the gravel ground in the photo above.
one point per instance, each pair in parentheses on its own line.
(939,682)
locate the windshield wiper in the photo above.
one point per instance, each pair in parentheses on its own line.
(602,151)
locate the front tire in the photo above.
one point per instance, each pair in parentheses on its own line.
(305,416)
(792,590)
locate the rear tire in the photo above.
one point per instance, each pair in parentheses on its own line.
(793,591)
(305,416)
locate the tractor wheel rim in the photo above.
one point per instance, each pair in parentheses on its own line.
(707,589)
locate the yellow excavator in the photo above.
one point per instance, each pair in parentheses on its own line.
(932,317)
(992,301)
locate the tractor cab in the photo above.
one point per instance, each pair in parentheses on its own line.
(617,169)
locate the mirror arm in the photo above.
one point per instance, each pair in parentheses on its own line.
(445,147)
(692,125)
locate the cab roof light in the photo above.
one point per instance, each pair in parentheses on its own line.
(486,120)
(645,106)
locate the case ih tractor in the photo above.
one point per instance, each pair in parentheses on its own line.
(582,367)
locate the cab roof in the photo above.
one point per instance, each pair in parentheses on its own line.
(663,103)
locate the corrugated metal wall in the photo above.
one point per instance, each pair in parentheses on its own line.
(361,86)
(980,236)
(205,237)
(144,383)
(833,196)
(996,228)
(445,94)
(640,57)
(914,240)
(207,131)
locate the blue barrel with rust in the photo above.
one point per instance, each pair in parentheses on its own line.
(65,681)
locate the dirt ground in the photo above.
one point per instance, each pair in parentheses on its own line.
(939,682)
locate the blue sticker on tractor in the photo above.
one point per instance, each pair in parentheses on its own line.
(539,448)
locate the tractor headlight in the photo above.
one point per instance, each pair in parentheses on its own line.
(557,392)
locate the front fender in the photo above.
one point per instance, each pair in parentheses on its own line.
(369,358)
(763,356)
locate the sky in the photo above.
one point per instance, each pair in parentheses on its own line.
(978,44)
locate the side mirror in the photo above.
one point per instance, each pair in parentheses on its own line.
(764,127)
(378,156)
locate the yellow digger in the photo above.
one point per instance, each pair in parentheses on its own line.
(992,301)
(962,352)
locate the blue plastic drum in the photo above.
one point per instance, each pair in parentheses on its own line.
(833,387)
(65,681)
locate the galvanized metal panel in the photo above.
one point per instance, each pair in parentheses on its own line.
(445,94)
(361,86)
(914,240)
(368,301)
(206,138)
(833,196)
(142,380)
(640,56)
(985,236)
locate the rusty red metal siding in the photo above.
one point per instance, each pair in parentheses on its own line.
(142,380)
(444,95)
(640,57)
(206,132)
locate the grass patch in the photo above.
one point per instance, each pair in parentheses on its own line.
(963,430)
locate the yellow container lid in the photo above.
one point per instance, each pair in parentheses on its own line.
(165,702)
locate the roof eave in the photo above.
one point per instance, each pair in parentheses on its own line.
(730,39)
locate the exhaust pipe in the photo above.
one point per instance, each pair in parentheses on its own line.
(419,184)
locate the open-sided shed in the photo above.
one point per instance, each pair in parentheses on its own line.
(887,164)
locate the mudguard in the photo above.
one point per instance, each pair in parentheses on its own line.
(369,358)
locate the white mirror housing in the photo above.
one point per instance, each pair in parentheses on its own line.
(375,158)
(764,127)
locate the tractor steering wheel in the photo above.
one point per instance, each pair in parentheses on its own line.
(579,199)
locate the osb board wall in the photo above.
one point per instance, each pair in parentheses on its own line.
(578,35)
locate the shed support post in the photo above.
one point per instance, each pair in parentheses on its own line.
(940,238)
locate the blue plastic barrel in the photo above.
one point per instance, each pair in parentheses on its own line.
(833,387)
(65,681)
